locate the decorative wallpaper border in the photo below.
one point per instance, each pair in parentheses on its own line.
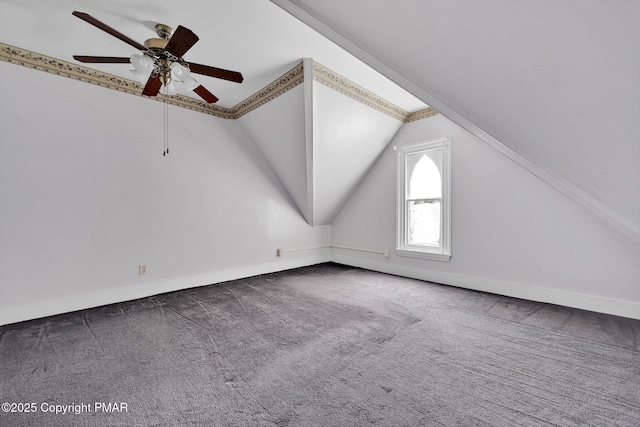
(284,83)
(419,115)
(58,67)
(335,81)
(287,81)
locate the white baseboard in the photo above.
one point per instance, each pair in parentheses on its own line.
(110,296)
(532,293)
(76,302)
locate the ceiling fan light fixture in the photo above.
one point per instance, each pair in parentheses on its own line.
(141,76)
(142,63)
(181,73)
(190,83)
(170,89)
(178,70)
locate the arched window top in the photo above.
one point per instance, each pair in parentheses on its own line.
(425,181)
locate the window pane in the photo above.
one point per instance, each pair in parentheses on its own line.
(425,181)
(424,222)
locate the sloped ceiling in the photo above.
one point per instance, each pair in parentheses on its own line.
(556,82)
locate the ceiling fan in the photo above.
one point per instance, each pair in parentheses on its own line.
(161,61)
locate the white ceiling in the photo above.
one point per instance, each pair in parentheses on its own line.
(254,37)
(557,82)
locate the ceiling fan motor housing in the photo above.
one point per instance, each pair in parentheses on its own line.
(164,31)
(156,44)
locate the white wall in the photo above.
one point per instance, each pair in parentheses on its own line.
(86,196)
(278,129)
(347,137)
(512,234)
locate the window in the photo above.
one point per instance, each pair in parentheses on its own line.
(424,200)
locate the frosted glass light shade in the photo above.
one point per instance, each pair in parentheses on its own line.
(170,89)
(182,74)
(178,71)
(190,83)
(141,76)
(142,63)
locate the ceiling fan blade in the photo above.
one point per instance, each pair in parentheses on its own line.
(153,86)
(102,59)
(181,41)
(219,73)
(104,27)
(205,94)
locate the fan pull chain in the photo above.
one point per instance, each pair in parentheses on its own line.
(166,126)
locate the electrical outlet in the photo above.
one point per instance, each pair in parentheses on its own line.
(386,253)
(142,270)
(280,252)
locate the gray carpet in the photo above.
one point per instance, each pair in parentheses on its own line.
(326,345)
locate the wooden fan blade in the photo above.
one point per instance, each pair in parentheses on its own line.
(153,86)
(219,73)
(104,27)
(205,94)
(102,59)
(181,41)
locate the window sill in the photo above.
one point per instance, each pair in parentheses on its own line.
(414,253)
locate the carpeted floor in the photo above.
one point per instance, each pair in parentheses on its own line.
(326,345)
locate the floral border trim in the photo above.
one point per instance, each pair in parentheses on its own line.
(284,83)
(36,61)
(335,81)
(61,68)
(422,114)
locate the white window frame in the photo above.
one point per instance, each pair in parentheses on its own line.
(442,253)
